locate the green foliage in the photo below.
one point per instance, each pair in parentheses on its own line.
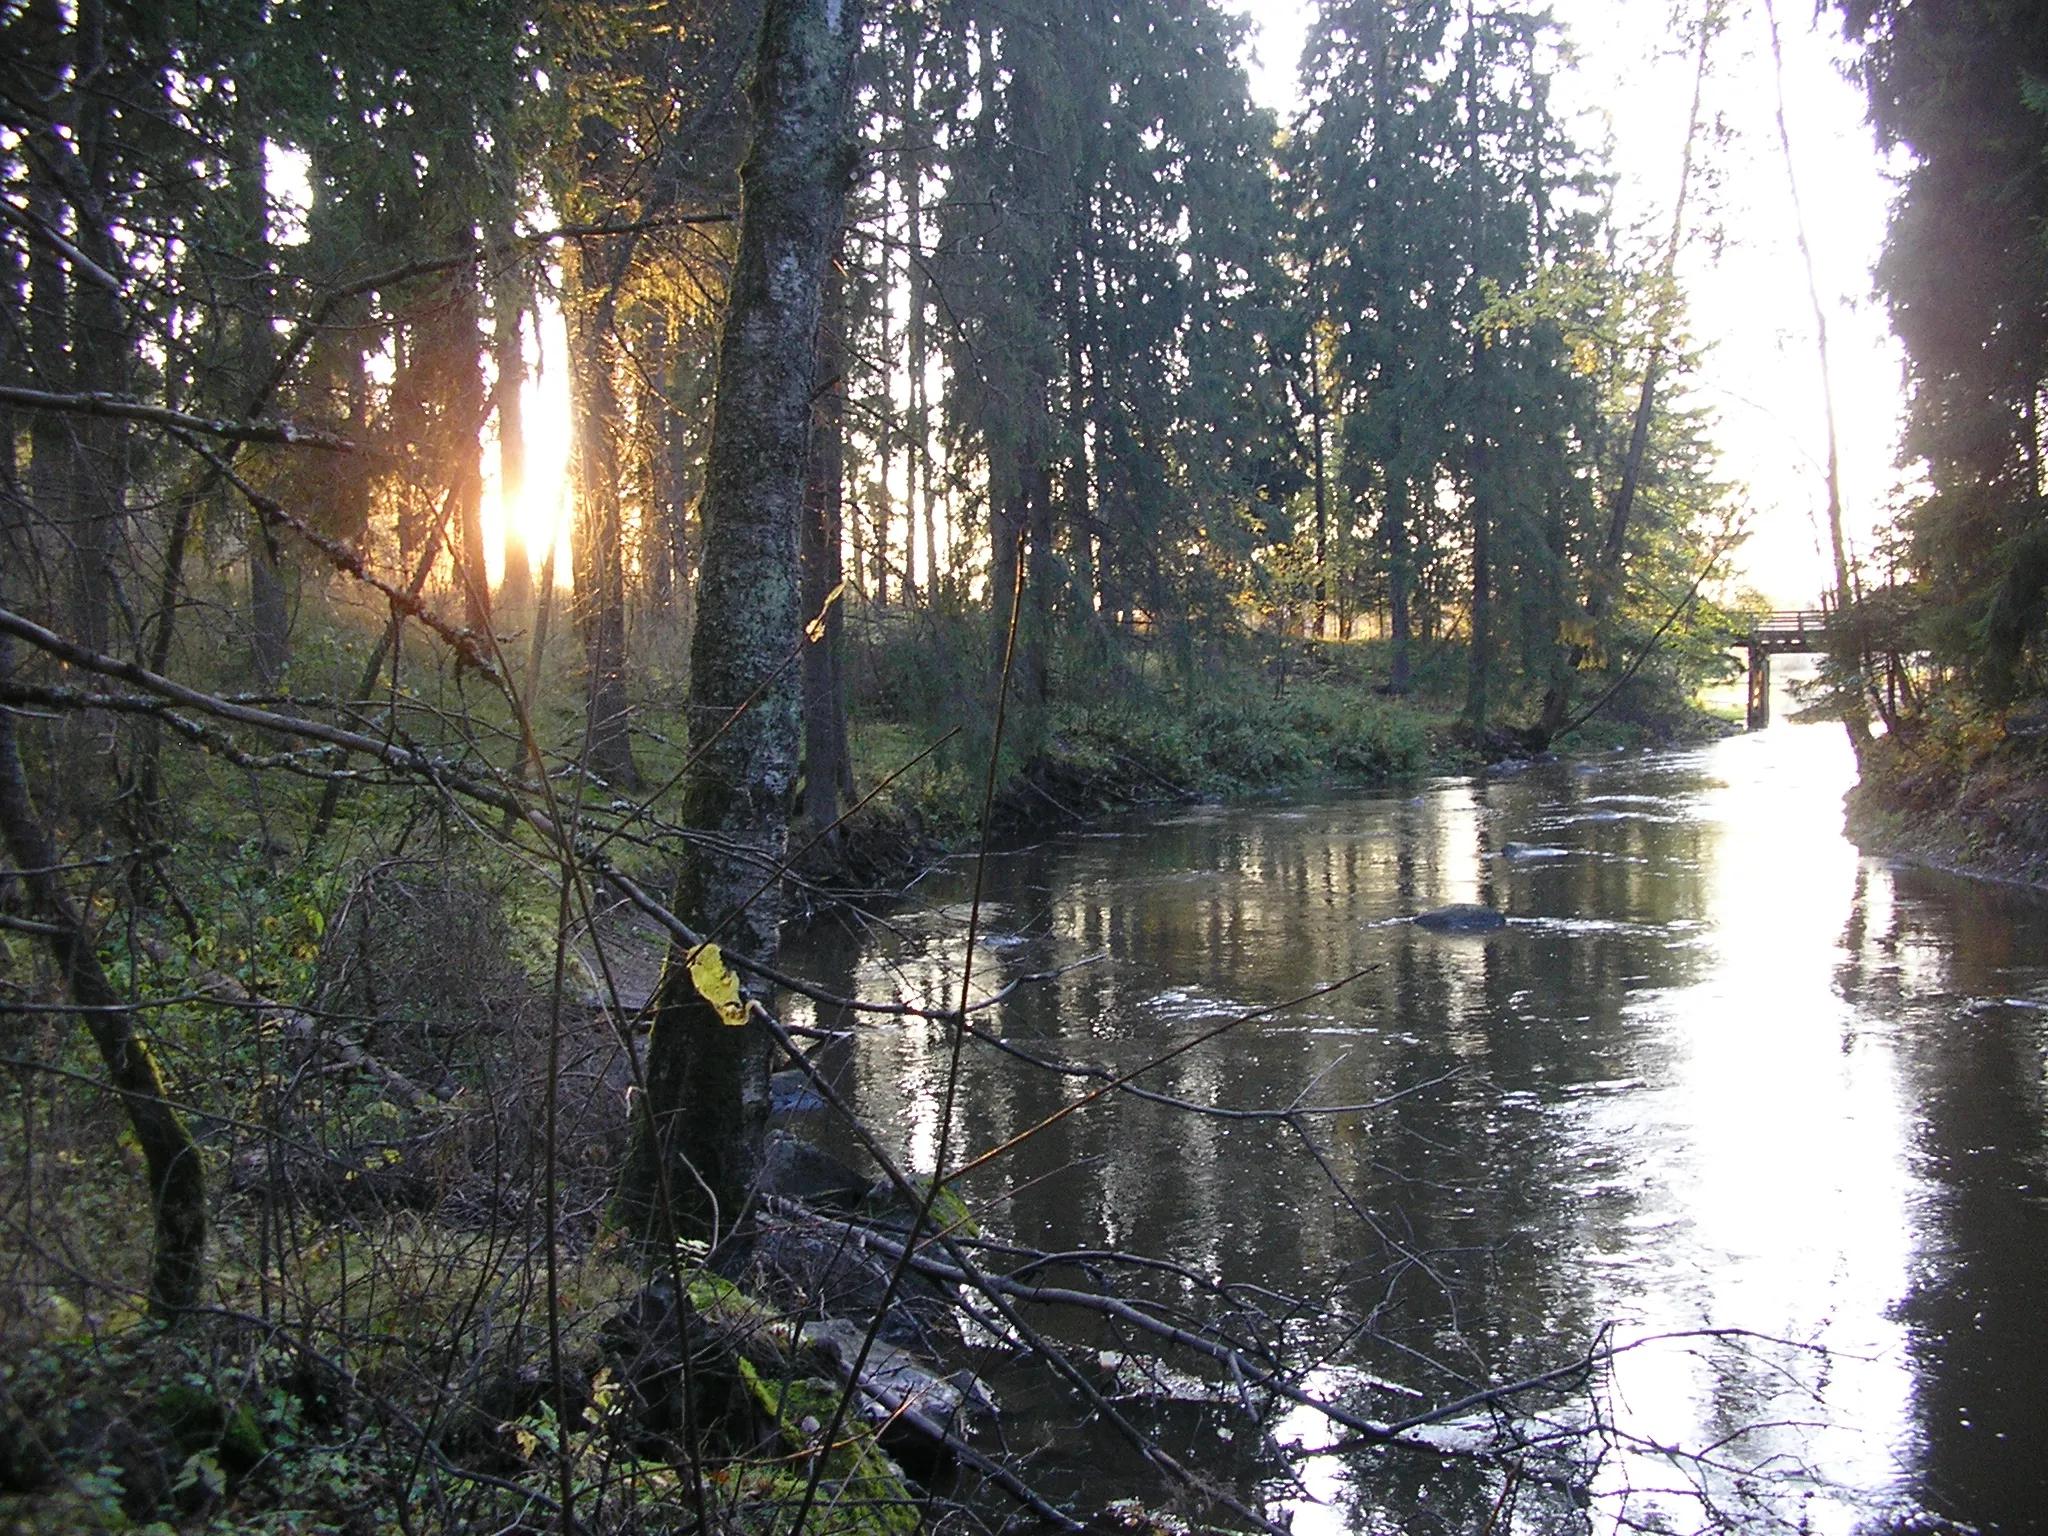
(1956,82)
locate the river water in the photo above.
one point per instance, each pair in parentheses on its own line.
(1770,1111)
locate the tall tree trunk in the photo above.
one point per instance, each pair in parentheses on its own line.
(1009,516)
(1479,651)
(465,412)
(1479,656)
(885,458)
(14,509)
(177,1178)
(1397,580)
(269,600)
(52,470)
(1479,661)
(102,352)
(1033,683)
(678,443)
(918,486)
(699,1149)
(508,309)
(1843,640)
(1075,512)
(828,769)
(600,530)
(1315,390)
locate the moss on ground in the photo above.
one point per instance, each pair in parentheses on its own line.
(861,1491)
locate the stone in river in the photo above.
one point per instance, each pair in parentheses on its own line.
(1462,918)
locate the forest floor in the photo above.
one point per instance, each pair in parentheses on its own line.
(1966,795)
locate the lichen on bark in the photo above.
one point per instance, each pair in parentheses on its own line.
(699,1143)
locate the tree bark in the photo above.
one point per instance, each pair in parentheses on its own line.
(828,766)
(51,471)
(1320,622)
(917,475)
(1848,655)
(1034,670)
(269,599)
(698,1149)
(1009,516)
(1479,657)
(102,351)
(177,1179)
(465,412)
(1398,581)
(508,311)
(600,533)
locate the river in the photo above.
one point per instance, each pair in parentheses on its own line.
(1771,1111)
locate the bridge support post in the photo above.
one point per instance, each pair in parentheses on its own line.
(1759,687)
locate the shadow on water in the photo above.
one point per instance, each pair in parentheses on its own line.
(1717,1073)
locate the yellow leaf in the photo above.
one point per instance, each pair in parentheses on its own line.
(815,630)
(716,984)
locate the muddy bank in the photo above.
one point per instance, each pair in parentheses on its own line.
(1972,804)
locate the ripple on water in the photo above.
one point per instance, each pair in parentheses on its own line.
(1717,1082)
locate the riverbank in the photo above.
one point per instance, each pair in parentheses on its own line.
(1967,797)
(1237,739)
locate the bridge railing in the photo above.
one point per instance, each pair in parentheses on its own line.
(1791,624)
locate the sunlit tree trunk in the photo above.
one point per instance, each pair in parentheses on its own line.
(1843,641)
(698,1149)
(465,414)
(885,458)
(515,589)
(918,489)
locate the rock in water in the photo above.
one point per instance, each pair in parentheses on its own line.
(797,1170)
(1466,917)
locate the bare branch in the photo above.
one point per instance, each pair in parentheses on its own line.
(283,433)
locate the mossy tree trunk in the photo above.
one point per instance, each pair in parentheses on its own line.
(828,765)
(699,1146)
(177,1180)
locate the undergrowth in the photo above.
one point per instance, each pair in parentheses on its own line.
(378,1347)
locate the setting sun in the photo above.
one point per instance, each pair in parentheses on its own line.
(542,512)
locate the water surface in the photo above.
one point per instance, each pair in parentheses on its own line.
(1720,1072)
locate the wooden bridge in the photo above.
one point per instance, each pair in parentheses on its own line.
(1797,631)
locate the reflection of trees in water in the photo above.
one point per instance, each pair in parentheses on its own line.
(1453,1253)
(1931,960)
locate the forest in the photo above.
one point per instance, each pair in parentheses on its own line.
(1948,652)
(511,507)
